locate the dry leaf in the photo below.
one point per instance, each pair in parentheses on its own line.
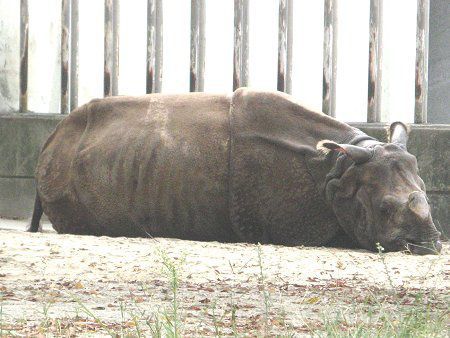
(312,300)
(99,308)
(78,285)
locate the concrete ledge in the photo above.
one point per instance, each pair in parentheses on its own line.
(440,210)
(16,197)
(22,136)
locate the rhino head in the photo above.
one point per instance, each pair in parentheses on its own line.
(378,196)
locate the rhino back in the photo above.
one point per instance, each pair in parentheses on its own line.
(155,165)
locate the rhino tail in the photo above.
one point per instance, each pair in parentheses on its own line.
(35,225)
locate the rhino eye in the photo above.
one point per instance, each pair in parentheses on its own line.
(388,204)
(385,208)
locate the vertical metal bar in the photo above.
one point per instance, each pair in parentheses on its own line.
(23,98)
(289,47)
(284,78)
(116,25)
(111,70)
(240,56)
(159,46)
(202,46)
(195,28)
(422,42)
(154,46)
(74,54)
(245,43)
(329,58)
(151,37)
(374,80)
(197,46)
(107,49)
(65,36)
(237,44)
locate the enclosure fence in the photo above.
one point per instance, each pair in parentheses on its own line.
(154,64)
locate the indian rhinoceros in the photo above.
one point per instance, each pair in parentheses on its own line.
(250,167)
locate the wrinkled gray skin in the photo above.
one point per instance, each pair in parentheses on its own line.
(252,167)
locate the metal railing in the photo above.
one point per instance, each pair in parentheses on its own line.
(154,65)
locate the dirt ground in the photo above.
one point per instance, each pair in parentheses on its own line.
(72,285)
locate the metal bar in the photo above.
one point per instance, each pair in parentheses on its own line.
(329,58)
(284,78)
(197,67)
(116,23)
(245,43)
(374,80)
(195,29)
(151,37)
(159,46)
(240,56)
(111,70)
(108,50)
(65,36)
(154,46)
(74,54)
(422,42)
(202,47)
(23,98)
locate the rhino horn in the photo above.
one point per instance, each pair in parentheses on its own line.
(398,133)
(357,154)
(418,204)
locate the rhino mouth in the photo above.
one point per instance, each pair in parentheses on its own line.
(432,247)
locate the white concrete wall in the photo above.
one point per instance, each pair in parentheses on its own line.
(398,55)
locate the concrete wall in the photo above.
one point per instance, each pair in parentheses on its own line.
(439,62)
(23,135)
(20,143)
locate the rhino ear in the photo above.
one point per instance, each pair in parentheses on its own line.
(357,154)
(398,133)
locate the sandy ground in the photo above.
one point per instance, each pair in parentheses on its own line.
(48,280)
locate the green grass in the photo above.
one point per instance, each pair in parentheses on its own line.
(171,317)
(383,319)
(417,321)
(1,315)
(265,293)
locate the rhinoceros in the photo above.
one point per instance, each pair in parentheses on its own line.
(247,167)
